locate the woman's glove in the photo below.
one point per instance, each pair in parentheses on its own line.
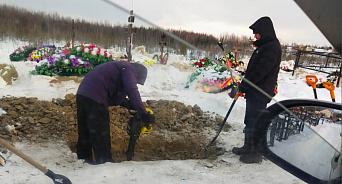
(148,118)
(127,104)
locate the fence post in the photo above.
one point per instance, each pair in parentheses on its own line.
(339,77)
(296,61)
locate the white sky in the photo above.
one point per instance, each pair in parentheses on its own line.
(215,16)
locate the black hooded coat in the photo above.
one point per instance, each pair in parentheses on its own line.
(263,66)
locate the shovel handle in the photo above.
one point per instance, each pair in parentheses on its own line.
(238,94)
(23,156)
(221,45)
(330,86)
(312,80)
(230,69)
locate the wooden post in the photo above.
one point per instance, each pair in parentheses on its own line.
(296,61)
(130,37)
(73,33)
(236,49)
(162,43)
(339,77)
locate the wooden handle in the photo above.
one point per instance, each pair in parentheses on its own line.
(23,156)
(238,94)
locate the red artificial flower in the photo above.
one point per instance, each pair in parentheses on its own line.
(230,64)
(66,51)
(92,46)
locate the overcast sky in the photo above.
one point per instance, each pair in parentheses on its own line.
(206,16)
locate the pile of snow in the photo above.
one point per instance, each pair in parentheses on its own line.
(287,65)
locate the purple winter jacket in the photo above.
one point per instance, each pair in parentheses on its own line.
(109,84)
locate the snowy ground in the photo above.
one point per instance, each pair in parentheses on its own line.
(163,82)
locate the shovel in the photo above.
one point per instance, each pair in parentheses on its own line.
(312,80)
(56,178)
(330,86)
(234,87)
(238,94)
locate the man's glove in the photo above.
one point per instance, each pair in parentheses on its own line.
(243,88)
(127,104)
(148,118)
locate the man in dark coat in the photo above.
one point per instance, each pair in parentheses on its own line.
(107,84)
(262,71)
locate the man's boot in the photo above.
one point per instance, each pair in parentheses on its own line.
(247,146)
(253,157)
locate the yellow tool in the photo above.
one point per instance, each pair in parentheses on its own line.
(136,127)
(146,129)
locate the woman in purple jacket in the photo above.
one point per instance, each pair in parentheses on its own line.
(106,85)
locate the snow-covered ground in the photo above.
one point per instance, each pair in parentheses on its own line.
(163,82)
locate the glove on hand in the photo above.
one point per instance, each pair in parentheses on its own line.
(127,104)
(148,118)
(243,88)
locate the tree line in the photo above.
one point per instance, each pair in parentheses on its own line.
(39,28)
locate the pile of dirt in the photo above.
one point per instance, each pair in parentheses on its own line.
(181,132)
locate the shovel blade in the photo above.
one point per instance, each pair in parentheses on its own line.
(58,179)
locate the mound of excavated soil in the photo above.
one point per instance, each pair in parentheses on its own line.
(180,132)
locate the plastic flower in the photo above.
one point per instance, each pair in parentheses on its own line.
(80,61)
(78,48)
(51,60)
(66,51)
(75,62)
(86,64)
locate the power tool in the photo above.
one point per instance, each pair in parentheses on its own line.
(136,127)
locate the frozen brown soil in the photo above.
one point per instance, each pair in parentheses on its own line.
(181,132)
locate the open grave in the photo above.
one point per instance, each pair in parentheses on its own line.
(181,132)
